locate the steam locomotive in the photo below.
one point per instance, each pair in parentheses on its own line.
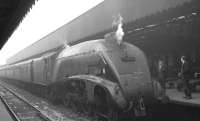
(102,73)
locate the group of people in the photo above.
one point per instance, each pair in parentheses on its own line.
(184,74)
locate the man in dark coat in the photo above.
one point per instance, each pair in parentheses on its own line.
(162,75)
(185,76)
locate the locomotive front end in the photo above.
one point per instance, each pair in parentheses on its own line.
(130,66)
(134,74)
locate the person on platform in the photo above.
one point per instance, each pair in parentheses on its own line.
(185,76)
(162,76)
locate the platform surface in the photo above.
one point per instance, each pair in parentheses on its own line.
(4,114)
(178,97)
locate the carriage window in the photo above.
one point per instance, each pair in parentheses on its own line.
(99,67)
(95,64)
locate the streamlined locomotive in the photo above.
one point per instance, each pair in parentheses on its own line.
(105,74)
(99,72)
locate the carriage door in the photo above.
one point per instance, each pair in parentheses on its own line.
(47,69)
(31,71)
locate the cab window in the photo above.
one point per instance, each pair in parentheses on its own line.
(99,67)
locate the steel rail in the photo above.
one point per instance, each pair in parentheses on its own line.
(38,111)
(10,111)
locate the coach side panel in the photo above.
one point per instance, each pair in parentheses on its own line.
(38,71)
(42,69)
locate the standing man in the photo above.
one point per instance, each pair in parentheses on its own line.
(185,76)
(162,76)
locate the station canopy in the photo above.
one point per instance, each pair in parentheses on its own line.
(167,23)
(12,13)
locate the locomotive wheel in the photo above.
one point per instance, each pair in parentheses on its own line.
(113,115)
(51,95)
(69,102)
(66,100)
(104,109)
(90,109)
(83,108)
(109,113)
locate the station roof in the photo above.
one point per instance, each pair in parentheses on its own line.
(11,14)
(172,29)
(162,19)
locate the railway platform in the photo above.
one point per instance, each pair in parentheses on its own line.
(4,114)
(177,97)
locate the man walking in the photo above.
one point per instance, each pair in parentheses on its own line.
(162,75)
(185,76)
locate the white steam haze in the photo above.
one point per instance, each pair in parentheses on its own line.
(120,31)
(45,17)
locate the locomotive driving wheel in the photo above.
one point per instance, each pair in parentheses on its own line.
(104,107)
(113,114)
(51,94)
(66,100)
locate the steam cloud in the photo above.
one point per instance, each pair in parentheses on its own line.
(119,34)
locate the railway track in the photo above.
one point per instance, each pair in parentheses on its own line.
(160,112)
(19,108)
